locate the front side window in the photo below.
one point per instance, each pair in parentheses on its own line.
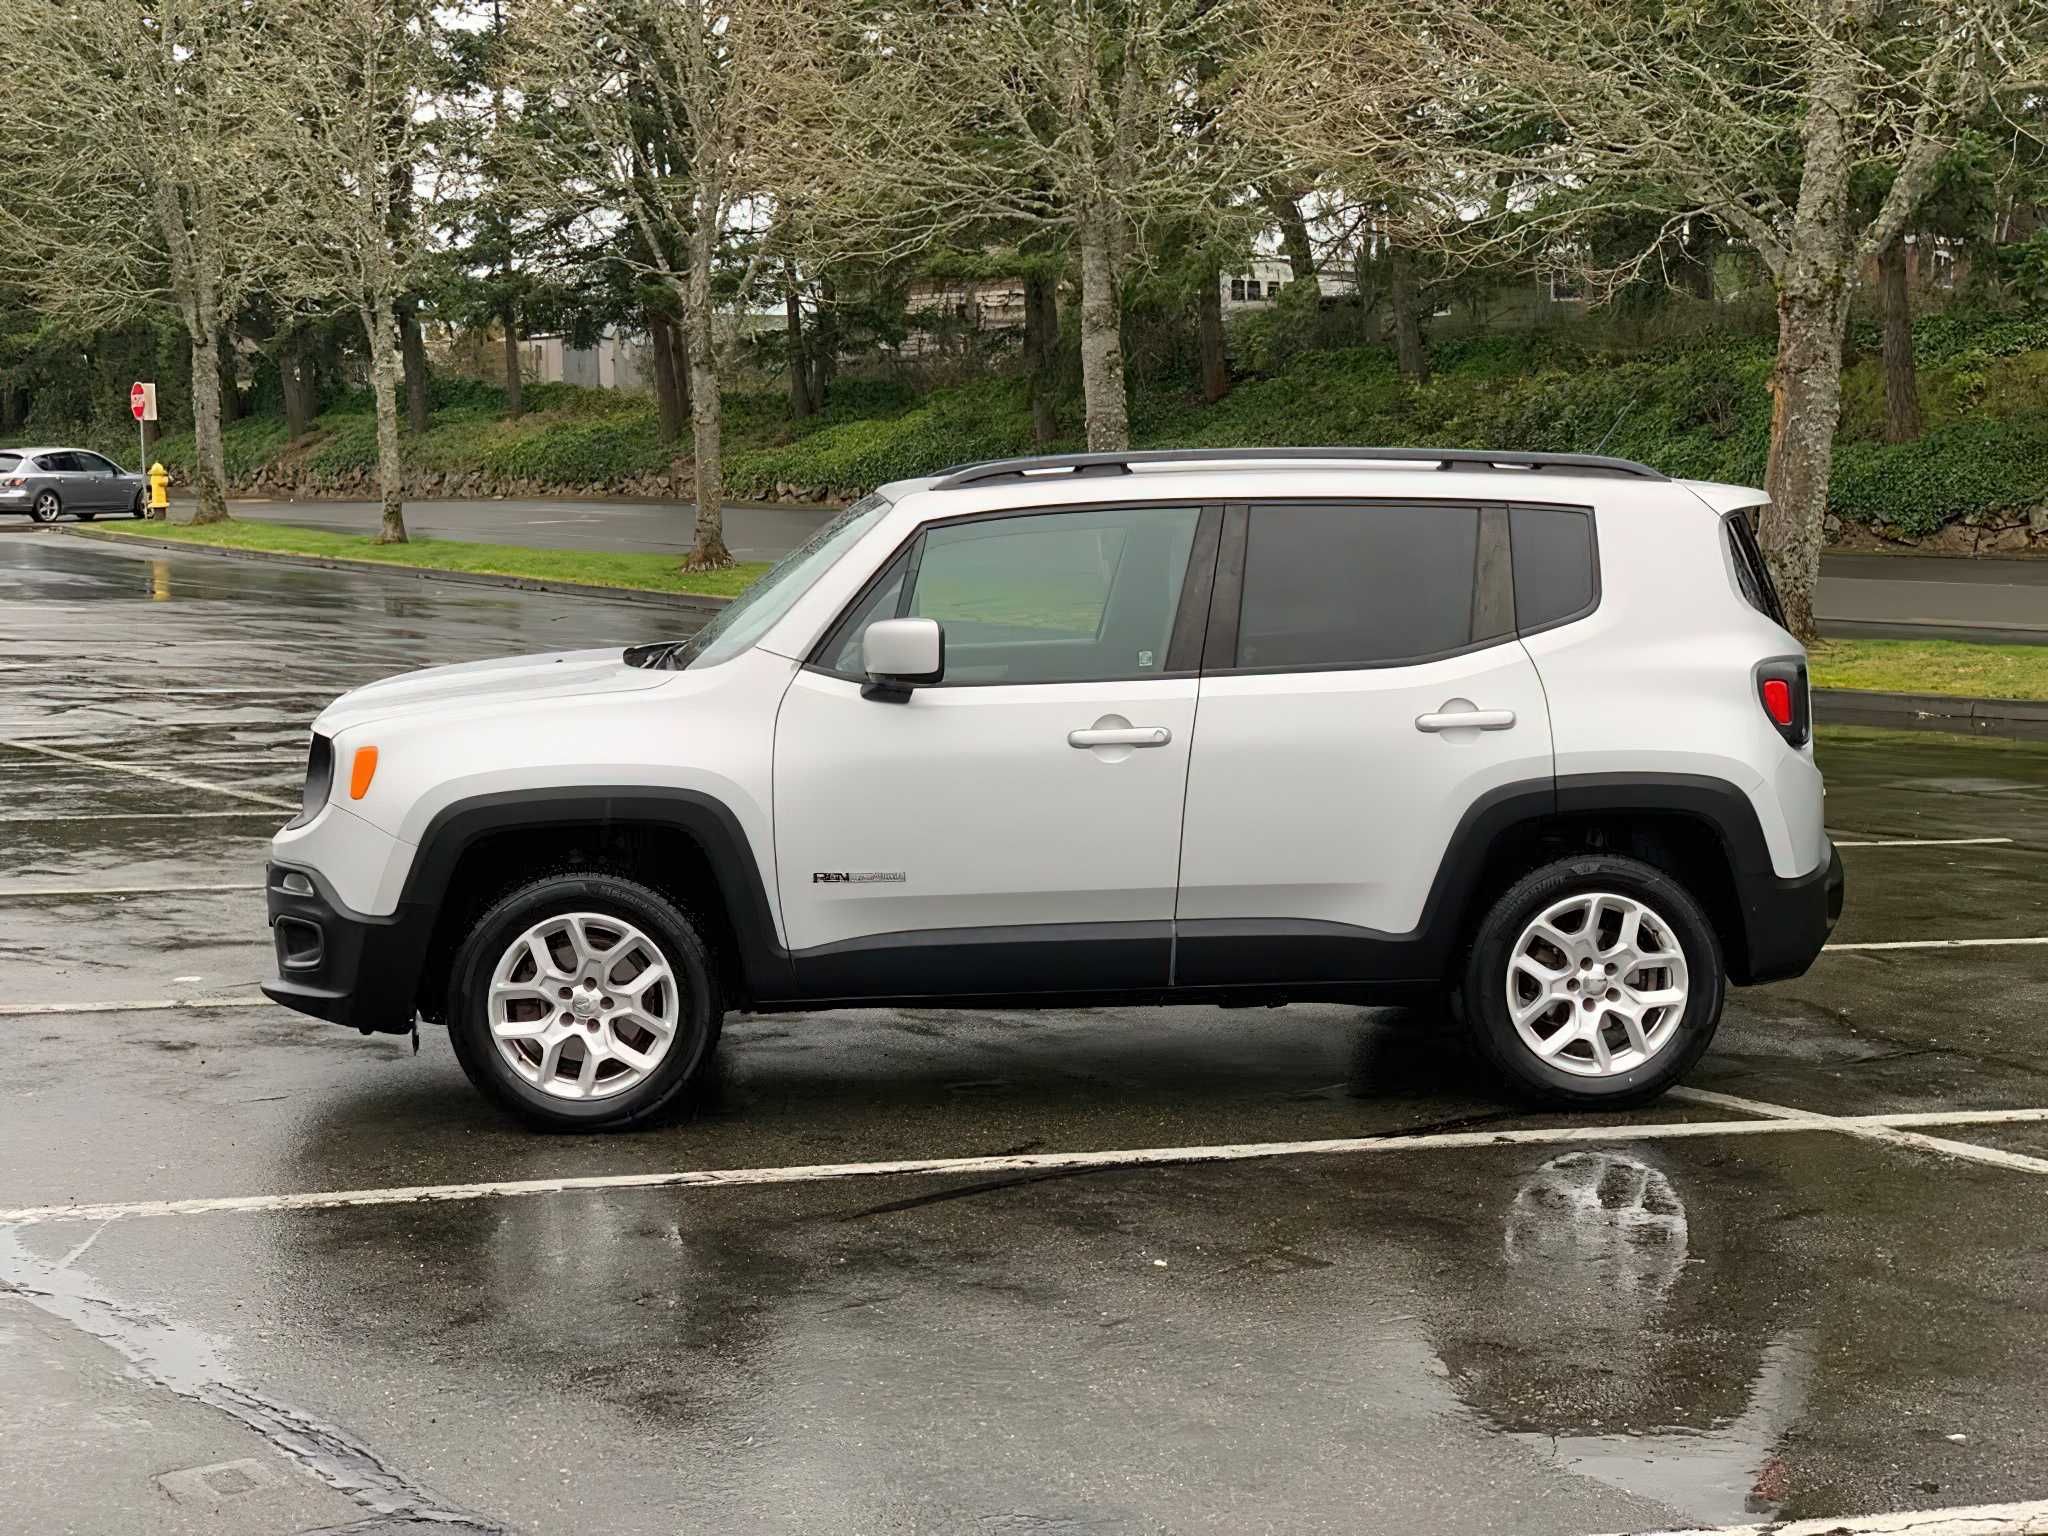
(1055,597)
(93,464)
(1350,585)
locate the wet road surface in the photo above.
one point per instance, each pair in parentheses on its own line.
(1694,1313)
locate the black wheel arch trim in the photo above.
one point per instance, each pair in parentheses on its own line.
(705,819)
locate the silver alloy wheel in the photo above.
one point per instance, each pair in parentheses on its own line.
(583,1006)
(46,508)
(1596,984)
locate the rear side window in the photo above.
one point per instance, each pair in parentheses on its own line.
(1752,574)
(1556,573)
(1350,585)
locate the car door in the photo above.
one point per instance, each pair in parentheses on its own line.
(1331,771)
(1014,828)
(58,472)
(96,482)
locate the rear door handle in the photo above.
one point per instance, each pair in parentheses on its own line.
(1121,736)
(1467,720)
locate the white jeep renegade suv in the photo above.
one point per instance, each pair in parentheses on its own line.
(1229,727)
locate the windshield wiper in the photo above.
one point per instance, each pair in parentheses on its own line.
(662,653)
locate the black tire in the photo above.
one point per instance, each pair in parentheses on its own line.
(1485,983)
(672,930)
(85,517)
(46,508)
(141,508)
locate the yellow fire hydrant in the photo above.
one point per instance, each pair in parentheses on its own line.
(159,491)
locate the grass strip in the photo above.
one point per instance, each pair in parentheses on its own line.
(1959,667)
(602,568)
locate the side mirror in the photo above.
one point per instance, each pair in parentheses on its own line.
(901,654)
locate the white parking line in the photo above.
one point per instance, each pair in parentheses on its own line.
(1933,944)
(1971,1520)
(46,892)
(1925,842)
(147,1005)
(1030,1162)
(133,815)
(148,773)
(1892,1132)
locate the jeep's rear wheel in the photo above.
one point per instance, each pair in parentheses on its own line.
(584,1001)
(1594,981)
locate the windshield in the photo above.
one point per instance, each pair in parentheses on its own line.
(750,615)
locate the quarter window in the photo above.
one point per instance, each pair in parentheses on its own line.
(1351,585)
(1554,564)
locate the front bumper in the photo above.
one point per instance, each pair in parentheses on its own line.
(339,965)
(1786,923)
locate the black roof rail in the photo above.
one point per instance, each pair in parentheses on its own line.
(1091,464)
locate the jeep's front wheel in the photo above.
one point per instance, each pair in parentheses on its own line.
(584,1001)
(1594,981)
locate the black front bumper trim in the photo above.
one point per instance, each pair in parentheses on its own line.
(339,965)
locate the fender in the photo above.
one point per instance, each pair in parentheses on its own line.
(707,821)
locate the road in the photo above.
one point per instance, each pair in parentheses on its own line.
(1877,595)
(1498,1323)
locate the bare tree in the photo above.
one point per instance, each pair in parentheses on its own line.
(1756,113)
(680,118)
(349,126)
(130,181)
(1080,118)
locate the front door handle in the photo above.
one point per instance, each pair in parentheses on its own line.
(1121,736)
(1466,720)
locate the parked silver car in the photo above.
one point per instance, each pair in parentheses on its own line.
(47,482)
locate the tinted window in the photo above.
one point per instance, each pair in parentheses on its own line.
(1059,597)
(1356,586)
(54,463)
(1752,575)
(93,464)
(1554,564)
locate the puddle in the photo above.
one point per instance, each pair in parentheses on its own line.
(1601,1240)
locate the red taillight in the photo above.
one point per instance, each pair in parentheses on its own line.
(1778,701)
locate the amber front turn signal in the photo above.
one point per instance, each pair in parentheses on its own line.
(361,771)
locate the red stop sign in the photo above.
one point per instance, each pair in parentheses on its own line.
(138,401)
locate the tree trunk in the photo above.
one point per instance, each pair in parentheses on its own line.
(668,400)
(1209,328)
(706,423)
(515,398)
(1295,244)
(1102,348)
(824,341)
(800,404)
(293,383)
(386,374)
(1409,354)
(414,348)
(230,379)
(1807,404)
(210,475)
(679,364)
(1041,355)
(1901,382)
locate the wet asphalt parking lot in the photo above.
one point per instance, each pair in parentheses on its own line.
(1810,1287)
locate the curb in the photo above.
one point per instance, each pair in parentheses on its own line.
(703,605)
(1858,706)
